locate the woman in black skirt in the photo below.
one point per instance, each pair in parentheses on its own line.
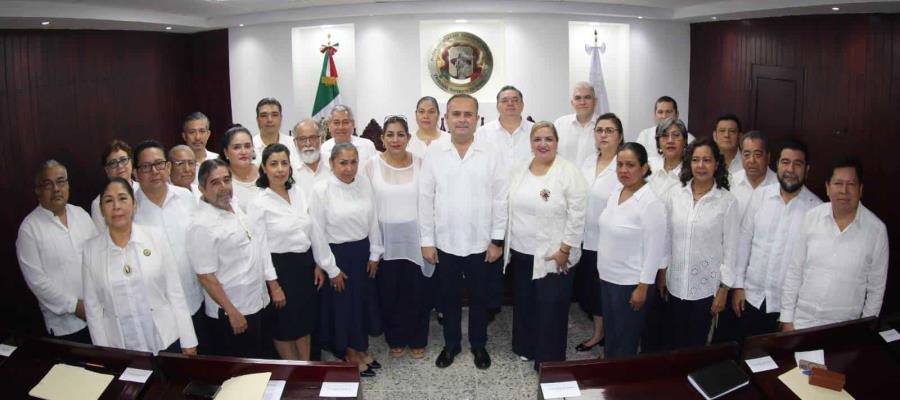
(297,246)
(343,206)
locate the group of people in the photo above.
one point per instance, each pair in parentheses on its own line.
(297,243)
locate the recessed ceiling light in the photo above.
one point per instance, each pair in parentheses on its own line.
(640,17)
(45,23)
(241,25)
(168,28)
(461,21)
(835,9)
(325,26)
(715,18)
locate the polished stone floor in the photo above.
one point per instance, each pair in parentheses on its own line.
(508,378)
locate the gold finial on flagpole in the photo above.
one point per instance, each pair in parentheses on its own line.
(328,42)
(595,38)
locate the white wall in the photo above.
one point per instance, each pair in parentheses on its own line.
(388,66)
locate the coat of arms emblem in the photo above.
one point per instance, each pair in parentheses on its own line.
(460,63)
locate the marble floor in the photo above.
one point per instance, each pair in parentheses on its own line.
(508,378)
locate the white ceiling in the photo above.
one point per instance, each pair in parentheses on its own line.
(199,15)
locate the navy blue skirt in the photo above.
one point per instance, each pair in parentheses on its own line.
(350,309)
(296,276)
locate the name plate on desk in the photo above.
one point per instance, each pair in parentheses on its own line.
(559,390)
(6,350)
(889,335)
(135,375)
(339,389)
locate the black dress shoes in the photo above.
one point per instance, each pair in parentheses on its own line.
(368,373)
(445,358)
(374,364)
(582,347)
(482,358)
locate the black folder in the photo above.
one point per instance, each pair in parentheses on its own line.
(719,379)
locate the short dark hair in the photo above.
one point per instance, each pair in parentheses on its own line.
(728,117)
(194,116)
(395,119)
(665,99)
(147,144)
(640,151)
(846,162)
(263,180)
(462,96)
(229,136)
(754,135)
(429,99)
(795,144)
(721,174)
(118,179)
(268,101)
(114,146)
(207,167)
(616,121)
(510,87)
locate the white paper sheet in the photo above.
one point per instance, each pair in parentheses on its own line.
(274,390)
(761,364)
(6,350)
(339,389)
(558,390)
(816,356)
(890,335)
(135,375)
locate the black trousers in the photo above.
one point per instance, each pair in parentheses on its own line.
(753,321)
(541,313)
(248,344)
(82,336)
(621,324)
(405,298)
(587,284)
(654,337)
(201,329)
(453,273)
(689,321)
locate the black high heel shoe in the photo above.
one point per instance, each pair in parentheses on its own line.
(374,364)
(368,373)
(583,348)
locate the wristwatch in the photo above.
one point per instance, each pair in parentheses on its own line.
(497,242)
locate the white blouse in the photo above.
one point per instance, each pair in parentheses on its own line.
(662,182)
(523,213)
(346,212)
(417,146)
(704,242)
(835,275)
(289,227)
(244,192)
(632,242)
(601,187)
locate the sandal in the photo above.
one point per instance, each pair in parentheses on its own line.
(417,353)
(398,352)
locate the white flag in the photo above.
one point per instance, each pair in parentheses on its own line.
(595,78)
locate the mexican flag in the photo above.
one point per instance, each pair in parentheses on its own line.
(328,95)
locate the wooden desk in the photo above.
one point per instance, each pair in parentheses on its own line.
(31,361)
(304,379)
(853,348)
(653,376)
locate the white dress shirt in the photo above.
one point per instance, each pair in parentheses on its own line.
(704,242)
(346,212)
(235,249)
(768,230)
(289,227)
(244,192)
(364,147)
(462,200)
(209,156)
(97,216)
(258,146)
(741,188)
(835,275)
(133,298)
(512,147)
(173,219)
(737,165)
(556,213)
(662,182)
(305,178)
(632,242)
(576,141)
(647,138)
(49,255)
(601,187)
(417,146)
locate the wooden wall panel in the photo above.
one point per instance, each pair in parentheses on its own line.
(851,94)
(65,94)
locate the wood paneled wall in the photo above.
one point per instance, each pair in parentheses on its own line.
(848,100)
(65,94)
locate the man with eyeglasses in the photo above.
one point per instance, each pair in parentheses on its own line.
(341,125)
(169,208)
(665,107)
(576,131)
(726,135)
(49,247)
(509,133)
(184,168)
(116,161)
(307,165)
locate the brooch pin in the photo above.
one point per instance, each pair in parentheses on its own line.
(127,269)
(545,194)
(147,252)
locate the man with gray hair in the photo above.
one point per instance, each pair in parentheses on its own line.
(576,131)
(754,149)
(307,165)
(49,247)
(341,125)
(184,168)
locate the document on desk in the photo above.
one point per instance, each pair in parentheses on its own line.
(889,335)
(71,383)
(339,389)
(761,364)
(816,356)
(6,350)
(136,375)
(244,387)
(799,384)
(559,390)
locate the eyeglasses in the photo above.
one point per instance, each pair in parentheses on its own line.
(157,165)
(50,185)
(113,164)
(671,136)
(307,139)
(181,163)
(606,131)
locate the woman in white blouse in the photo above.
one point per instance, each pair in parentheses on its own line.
(116,161)
(703,227)
(631,247)
(238,152)
(405,288)
(547,197)
(132,293)
(343,205)
(297,247)
(427,116)
(671,138)
(600,173)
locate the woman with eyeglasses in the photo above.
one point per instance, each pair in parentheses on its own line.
(404,278)
(132,293)
(238,152)
(116,161)
(427,116)
(600,173)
